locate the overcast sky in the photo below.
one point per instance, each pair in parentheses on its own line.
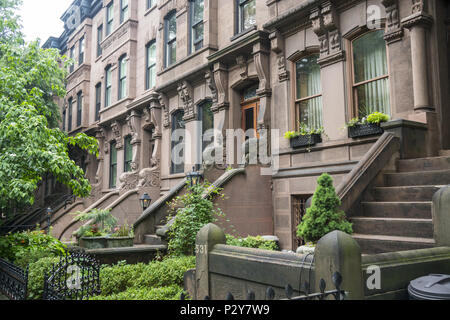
(41,18)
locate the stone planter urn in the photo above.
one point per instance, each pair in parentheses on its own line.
(106,242)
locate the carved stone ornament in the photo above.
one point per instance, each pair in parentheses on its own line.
(221,81)
(243,67)
(394,31)
(212,86)
(117,131)
(129,181)
(163,102)
(186,96)
(132,121)
(149,177)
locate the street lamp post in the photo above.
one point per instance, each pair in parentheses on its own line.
(49,214)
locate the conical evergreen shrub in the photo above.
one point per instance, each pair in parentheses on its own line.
(325,214)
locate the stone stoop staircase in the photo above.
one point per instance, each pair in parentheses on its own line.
(397,215)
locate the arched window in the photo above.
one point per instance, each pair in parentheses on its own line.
(370,74)
(128,154)
(308,88)
(122,77)
(206,117)
(150,70)
(171,39)
(108,84)
(177,153)
(196,23)
(79,108)
(113,165)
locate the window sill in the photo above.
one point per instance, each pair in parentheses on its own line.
(238,35)
(147,11)
(192,55)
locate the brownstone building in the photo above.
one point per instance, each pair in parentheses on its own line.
(146,69)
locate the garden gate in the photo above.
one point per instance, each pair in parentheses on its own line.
(74,277)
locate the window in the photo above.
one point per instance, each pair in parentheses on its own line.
(64,120)
(108,84)
(72,56)
(81,51)
(196,20)
(171,39)
(122,77)
(98,100)
(370,74)
(150,71)
(69,124)
(246,14)
(178,125)
(150,3)
(123,10)
(79,108)
(113,166)
(206,117)
(99,40)
(128,154)
(308,100)
(109,18)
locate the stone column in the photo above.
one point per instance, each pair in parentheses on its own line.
(207,238)
(418,23)
(339,252)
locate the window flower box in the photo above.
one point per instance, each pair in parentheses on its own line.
(305,140)
(364,130)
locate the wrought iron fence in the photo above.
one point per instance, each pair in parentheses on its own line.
(74,277)
(337,293)
(13,280)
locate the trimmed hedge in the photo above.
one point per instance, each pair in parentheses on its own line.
(252,242)
(172,292)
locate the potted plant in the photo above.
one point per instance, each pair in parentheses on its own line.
(101,230)
(304,137)
(367,126)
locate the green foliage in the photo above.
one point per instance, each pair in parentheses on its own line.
(375,118)
(171,292)
(36,274)
(124,280)
(324,215)
(252,242)
(303,130)
(31,145)
(123,231)
(101,222)
(26,247)
(197,211)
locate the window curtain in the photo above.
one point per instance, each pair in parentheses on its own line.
(370,62)
(309,84)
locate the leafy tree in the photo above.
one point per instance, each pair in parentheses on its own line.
(31,144)
(325,214)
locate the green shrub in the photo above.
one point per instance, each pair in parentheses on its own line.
(324,215)
(377,117)
(252,242)
(197,211)
(171,292)
(101,222)
(122,277)
(36,276)
(29,246)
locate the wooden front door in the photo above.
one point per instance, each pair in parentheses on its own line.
(250,112)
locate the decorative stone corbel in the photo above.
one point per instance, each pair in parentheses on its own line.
(117,132)
(325,24)
(209,77)
(133,124)
(164,103)
(261,58)
(394,31)
(221,81)
(419,15)
(155,116)
(186,96)
(242,63)
(277,46)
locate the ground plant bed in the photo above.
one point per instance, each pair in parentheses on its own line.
(106,242)
(305,140)
(364,130)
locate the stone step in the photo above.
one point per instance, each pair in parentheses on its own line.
(424,164)
(373,244)
(153,239)
(404,193)
(436,177)
(412,210)
(422,228)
